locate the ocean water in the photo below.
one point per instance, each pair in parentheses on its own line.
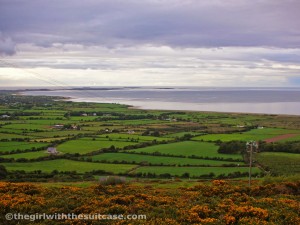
(244,100)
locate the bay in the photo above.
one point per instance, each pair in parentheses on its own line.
(243,100)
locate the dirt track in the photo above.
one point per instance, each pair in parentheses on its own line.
(279,138)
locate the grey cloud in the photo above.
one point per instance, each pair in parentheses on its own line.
(7,46)
(174,23)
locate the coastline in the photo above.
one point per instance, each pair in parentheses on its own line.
(257,108)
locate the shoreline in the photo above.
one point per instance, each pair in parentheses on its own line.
(172,106)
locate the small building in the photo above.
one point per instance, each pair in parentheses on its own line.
(131,132)
(94,114)
(5,116)
(74,127)
(260,127)
(58,126)
(52,150)
(84,114)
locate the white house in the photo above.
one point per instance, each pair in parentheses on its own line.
(52,150)
(58,126)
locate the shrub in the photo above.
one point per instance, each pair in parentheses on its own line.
(112,180)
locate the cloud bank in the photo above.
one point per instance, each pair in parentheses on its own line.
(151,42)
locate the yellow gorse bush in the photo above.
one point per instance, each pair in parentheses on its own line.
(217,203)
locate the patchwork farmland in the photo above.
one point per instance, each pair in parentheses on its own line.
(90,140)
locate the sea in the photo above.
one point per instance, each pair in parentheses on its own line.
(277,100)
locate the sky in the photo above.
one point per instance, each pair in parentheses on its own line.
(232,43)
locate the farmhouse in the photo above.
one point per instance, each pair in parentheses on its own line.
(74,127)
(52,150)
(5,116)
(58,126)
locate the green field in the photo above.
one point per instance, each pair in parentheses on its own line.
(135,137)
(58,133)
(181,134)
(138,122)
(255,134)
(14,145)
(188,148)
(86,145)
(11,136)
(26,126)
(280,163)
(193,171)
(165,135)
(26,155)
(68,165)
(136,158)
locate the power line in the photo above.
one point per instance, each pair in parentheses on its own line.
(50,81)
(36,75)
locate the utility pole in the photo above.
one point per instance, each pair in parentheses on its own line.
(250,145)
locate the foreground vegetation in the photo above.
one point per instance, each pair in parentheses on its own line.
(217,203)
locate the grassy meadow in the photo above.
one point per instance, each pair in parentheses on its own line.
(64,165)
(187,148)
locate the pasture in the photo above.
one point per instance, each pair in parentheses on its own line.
(138,138)
(255,134)
(280,163)
(187,148)
(26,155)
(157,160)
(67,165)
(58,133)
(14,145)
(86,145)
(12,136)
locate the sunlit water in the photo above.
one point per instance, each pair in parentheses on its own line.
(250,100)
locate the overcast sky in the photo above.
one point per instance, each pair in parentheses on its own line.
(150,42)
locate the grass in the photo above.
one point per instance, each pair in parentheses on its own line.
(139,122)
(193,171)
(138,138)
(136,158)
(11,136)
(68,165)
(14,145)
(58,133)
(43,116)
(188,148)
(13,131)
(27,126)
(255,134)
(26,155)
(49,139)
(181,134)
(280,163)
(86,145)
